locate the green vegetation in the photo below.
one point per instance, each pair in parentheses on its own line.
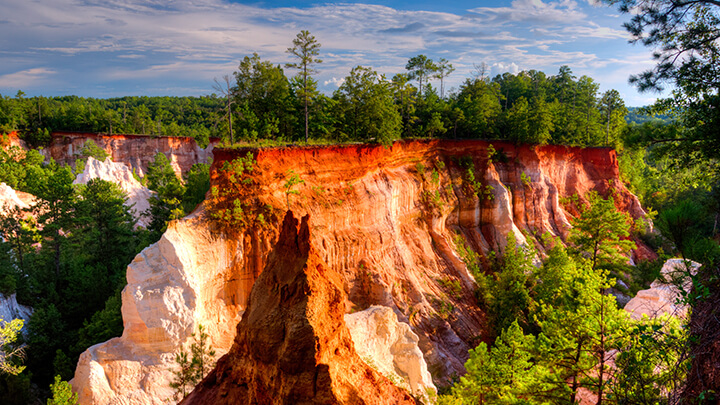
(192,370)
(292,180)
(558,331)
(62,393)
(11,353)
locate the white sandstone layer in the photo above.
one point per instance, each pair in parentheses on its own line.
(182,281)
(120,174)
(10,309)
(392,348)
(9,199)
(662,297)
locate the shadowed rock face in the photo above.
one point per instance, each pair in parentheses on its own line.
(292,345)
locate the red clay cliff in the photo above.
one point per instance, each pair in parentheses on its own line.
(292,345)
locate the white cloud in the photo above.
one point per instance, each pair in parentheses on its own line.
(537,11)
(335,82)
(26,78)
(155,44)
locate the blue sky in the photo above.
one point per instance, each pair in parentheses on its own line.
(108,48)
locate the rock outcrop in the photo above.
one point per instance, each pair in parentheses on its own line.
(136,151)
(662,298)
(120,174)
(10,309)
(391,348)
(292,345)
(385,219)
(188,278)
(9,199)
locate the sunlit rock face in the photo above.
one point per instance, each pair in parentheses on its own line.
(190,277)
(9,199)
(135,151)
(383,219)
(120,174)
(663,296)
(292,345)
(391,347)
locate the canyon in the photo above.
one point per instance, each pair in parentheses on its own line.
(136,151)
(385,220)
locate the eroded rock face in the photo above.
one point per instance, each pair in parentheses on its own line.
(9,198)
(190,277)
(10,309)
(662,297)
(292,345)
(392,348)
(120,174)
(135,151)
(378,224)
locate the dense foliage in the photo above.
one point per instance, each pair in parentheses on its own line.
(559,332)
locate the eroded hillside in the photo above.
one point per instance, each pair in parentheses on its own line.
(387,220)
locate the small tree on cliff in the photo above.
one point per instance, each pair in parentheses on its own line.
(193,370)
(292,181)
(62,393)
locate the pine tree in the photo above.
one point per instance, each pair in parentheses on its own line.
(306,49)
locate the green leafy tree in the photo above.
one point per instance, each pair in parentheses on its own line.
(292,180)
(90,149)
(184,378)
(264,98)
(306,49)
(10,352)
(54,211)
(652,362)
(599,231)
(203,354)
(197,184)
(421,68)
(193,369)
(165,204)
(405,98)
(365,109)
(510,298)
(504,374)
(478,101)
(614,111)
(578,326)
(62,393)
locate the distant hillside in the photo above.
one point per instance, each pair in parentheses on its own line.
(635,116)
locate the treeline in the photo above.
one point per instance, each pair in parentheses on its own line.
(260,102)
(36,117)
(528,107)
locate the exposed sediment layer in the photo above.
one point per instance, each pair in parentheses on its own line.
(386,220)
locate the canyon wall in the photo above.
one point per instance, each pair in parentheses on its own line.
(386,220)
(136,151)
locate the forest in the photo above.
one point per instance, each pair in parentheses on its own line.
(69,262)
